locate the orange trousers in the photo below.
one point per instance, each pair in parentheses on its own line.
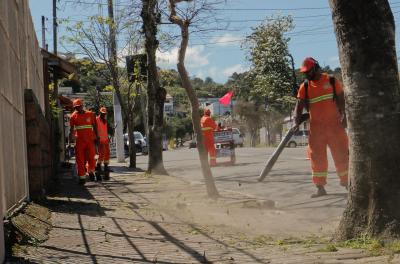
(335,138)
(209,144)
(104,153)
(85,152)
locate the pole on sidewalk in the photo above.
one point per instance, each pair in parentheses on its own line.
(43,33)
(119,136)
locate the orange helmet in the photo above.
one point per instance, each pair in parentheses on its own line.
(308,64)
(207,111)
(77,102)
(103,110)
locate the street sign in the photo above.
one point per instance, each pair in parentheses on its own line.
(223,136)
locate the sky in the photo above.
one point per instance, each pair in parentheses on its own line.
(219,54)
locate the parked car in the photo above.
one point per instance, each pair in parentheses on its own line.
(237,137)
(300,138)
(140,143)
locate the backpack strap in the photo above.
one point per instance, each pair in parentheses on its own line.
(332,82)
(306,99)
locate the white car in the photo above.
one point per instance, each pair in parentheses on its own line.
(300,138)
(237,137)
(140,143)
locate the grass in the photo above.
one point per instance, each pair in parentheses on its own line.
(375,247)
(329,248)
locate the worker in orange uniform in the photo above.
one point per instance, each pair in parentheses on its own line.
(104,145)
(208,126)
(323,96)
(83,127)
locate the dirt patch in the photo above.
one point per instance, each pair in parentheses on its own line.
(233,212)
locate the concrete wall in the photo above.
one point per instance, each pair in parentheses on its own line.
(20,68)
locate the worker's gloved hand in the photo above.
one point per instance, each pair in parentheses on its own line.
(297,122)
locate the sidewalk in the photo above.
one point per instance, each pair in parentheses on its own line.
(134,218)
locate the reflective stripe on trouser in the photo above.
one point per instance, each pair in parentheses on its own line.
(335,138)
(104,153)
(85,152)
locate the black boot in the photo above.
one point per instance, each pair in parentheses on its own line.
(81,181)
(91,176)
(320,192)
(98,172)
(106,172)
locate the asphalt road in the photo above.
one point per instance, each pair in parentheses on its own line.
(289,183)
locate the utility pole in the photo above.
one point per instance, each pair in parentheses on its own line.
(43,33)
(55,27)
(119,137)
(55,77)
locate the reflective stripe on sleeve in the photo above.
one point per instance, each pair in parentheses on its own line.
(321,98)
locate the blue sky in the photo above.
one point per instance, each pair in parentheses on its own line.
(219,54)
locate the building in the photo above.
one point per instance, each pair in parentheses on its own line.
(169,105)
(216,108)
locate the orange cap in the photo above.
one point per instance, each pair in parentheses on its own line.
(207,111)
(77,102)
(308,64)
(103,110)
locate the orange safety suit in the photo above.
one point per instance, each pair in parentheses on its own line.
(325,130)
(104,144)
(208,126)
(85,136)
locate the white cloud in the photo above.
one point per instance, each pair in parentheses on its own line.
(211,72)
(195,57)
(238,68)
(227,40)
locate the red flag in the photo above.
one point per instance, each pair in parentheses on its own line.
(226,99)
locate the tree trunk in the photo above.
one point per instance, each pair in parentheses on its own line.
(132,146)
(205,167)
(155,101)
(365,33)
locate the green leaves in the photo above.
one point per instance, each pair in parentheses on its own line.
(268,52)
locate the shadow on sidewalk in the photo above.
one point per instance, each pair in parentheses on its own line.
(71,198)
(199,256)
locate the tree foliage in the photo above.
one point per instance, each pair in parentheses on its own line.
(268,53)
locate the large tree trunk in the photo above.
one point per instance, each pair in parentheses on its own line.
(155,93)
(365,33)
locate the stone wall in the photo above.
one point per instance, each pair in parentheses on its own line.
(20,68)
(38,145)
